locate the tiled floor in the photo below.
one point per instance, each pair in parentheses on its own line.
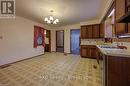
(52,69)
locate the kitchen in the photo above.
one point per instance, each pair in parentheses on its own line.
(66,40)
(109,44)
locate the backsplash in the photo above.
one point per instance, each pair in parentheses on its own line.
(121,42)
(91,41)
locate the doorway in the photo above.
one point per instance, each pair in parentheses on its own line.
(75,41)
(47,41)
(60,41)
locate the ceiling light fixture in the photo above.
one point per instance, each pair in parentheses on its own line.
(51,19)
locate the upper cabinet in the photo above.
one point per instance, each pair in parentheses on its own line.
(102,29)
(128,27)
(96,29)
(120,8)
(110,27)
(90,31)
(83,32)
(119,12)
(126,17)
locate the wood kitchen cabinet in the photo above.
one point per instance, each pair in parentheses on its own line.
(128,27)
(86,32)
(95,31)
(117,71)
(83,32)
(88,51)
(93,52)
(119,12)
(102,29)
(83,52)
(90,31)
(128,9)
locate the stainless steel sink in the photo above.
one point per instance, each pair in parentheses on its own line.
(109,47)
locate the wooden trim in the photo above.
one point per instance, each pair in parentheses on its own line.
(88,57)
(9,64)
(63,39)
(60,46)
(49,40)
(89,25)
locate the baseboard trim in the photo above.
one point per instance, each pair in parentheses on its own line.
(4,66)
(53,51)
(9,64)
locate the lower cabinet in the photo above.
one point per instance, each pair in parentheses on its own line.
(88,51)
(83,52)
(117,71)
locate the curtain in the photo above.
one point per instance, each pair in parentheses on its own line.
(39,37)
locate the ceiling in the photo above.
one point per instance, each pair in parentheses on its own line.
(67,11)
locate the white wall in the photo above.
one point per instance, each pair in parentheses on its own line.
(17,42)
(66,29)
(90,22)
(105,9)
(53,40)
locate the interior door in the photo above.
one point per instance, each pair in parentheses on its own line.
(75,41)
(60,41)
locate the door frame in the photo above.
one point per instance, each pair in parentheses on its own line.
(79,39)
(63,39)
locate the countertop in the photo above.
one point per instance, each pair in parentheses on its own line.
(114,51)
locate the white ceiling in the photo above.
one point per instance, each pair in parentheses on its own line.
(68,11)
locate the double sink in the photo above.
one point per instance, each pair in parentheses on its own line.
(114,50)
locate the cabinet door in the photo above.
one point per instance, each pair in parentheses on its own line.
(83,51)
(93,52)
(120,8)
(83,32)
(118,71)
(120,29)
(89,31)
(128,27)
(102,29)
(119,12)
(88,49)
(95,31)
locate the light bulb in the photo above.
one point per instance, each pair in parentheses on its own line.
(46,19)
(51,18)
(49,21)
(54,22)
(57,20)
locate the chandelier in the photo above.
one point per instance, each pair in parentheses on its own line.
(51,19)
